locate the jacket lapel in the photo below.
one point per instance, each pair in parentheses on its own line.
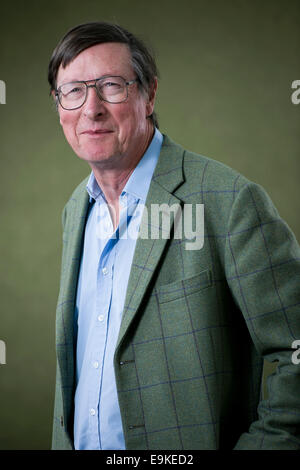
(167,177)
(74,233)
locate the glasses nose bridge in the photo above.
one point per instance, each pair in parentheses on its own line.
(93,85)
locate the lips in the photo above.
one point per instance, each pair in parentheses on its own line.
(96,131)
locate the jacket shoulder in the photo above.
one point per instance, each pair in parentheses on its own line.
(76,199)
(200,169)
(78,192)
(214,175)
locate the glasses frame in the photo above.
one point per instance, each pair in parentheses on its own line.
(126,82)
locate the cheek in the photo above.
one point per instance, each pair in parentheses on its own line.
(68,123)
(131,120)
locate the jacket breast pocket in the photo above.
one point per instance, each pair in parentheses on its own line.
(184,287)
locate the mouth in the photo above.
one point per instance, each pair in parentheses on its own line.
(96,132)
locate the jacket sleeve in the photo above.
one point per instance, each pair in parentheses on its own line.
(262,263)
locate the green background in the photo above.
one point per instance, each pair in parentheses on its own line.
(225,91)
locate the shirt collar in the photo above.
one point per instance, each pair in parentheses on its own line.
(140,179)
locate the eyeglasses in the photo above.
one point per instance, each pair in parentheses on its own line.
(112,89)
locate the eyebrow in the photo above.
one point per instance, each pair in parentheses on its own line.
(91,79)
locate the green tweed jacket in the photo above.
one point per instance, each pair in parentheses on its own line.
(197,324)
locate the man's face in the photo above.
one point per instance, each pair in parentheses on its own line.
(100,132)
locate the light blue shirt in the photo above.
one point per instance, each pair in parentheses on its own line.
(103,278)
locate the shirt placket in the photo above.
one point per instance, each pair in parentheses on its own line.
(101,319)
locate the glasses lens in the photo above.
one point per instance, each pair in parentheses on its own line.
(112,89)
(72,95)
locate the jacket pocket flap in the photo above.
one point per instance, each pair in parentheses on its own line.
(184,287)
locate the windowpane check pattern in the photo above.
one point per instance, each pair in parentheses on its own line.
(197,324)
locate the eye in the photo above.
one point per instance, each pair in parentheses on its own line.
(111,85)
(75,90)
(72,89)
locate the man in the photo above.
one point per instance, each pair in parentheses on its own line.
(160,344)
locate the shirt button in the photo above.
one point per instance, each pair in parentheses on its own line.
(92,412)
(105,271)
(96,364)
(101,317)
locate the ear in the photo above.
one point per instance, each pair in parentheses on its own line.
(54,98)
(55,101)
(151,97)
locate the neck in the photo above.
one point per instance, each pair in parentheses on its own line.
(112,178)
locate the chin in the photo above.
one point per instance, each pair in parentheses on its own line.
(94,157)
(93,153)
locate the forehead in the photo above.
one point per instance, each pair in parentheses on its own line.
(102,59)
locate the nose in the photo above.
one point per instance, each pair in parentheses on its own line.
(93,107)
